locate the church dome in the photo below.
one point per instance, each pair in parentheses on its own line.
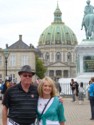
(57,33)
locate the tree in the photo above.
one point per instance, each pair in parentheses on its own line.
(40,68)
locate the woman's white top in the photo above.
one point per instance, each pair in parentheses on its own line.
(41,104)
(81,89)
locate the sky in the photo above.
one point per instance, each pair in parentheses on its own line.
(30,18)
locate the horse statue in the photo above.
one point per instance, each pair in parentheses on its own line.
(88,23)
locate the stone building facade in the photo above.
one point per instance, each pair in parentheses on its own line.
(19,54)
(56,49)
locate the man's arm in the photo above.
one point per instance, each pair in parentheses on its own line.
(4,115)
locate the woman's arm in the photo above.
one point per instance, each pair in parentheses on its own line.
(60,113)
(61,123)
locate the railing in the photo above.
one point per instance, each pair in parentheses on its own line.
(66,90)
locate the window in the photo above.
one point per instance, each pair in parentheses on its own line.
(52,57)
(58,41)
(13,60)
(65,73)
(51,73)
(58,73)
(48,38)
(0,60)
(68,42)
(0,77)
(58,56)
(69,57)
(13,77)
(47,56)
(24,60)
(67,35)
(47,42)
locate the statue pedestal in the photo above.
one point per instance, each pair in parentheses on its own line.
(85,60)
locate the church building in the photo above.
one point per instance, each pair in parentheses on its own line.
(57,43)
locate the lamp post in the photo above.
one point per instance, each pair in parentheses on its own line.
(6,54)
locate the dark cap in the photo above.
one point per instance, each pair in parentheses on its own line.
(27,69)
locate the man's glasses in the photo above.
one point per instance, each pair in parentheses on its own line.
(25,75)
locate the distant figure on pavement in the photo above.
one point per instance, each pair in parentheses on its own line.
(73,88)
(76,90)
(81,93)
(91,98)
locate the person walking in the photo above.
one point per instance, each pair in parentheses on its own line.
(20,101)
(73,88)
(50,109)
(87,88)
(81,93)
(91,97)
(5,86)
(76,90)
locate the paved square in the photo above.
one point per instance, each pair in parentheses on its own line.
(75,114)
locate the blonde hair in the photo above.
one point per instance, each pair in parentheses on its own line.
(51,82)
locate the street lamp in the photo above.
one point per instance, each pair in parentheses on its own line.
(6,54)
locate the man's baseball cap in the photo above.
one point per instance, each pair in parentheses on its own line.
(26,69)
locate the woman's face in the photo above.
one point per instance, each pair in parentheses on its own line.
(47,88)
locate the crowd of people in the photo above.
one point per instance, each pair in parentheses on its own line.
(5,85)
(78,93)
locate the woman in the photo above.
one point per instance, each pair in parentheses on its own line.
(81,93)
(91,97)
(53,114)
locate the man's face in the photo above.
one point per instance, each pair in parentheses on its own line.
(26,78)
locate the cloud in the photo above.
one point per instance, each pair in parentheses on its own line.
(31,17)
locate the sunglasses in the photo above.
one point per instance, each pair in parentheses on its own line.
(25,75)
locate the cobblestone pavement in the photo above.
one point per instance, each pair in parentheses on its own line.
(75,114)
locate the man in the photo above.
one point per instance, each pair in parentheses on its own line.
(91,97)
(20,101)
(5,86)
(73,88)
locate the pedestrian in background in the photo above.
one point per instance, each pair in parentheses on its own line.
(81,93)
(73,88)
(76,90)
(87,88)
(5,86)
(91,97)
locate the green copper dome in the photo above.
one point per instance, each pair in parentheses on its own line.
(57,32)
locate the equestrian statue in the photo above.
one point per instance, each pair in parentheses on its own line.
(88,21)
